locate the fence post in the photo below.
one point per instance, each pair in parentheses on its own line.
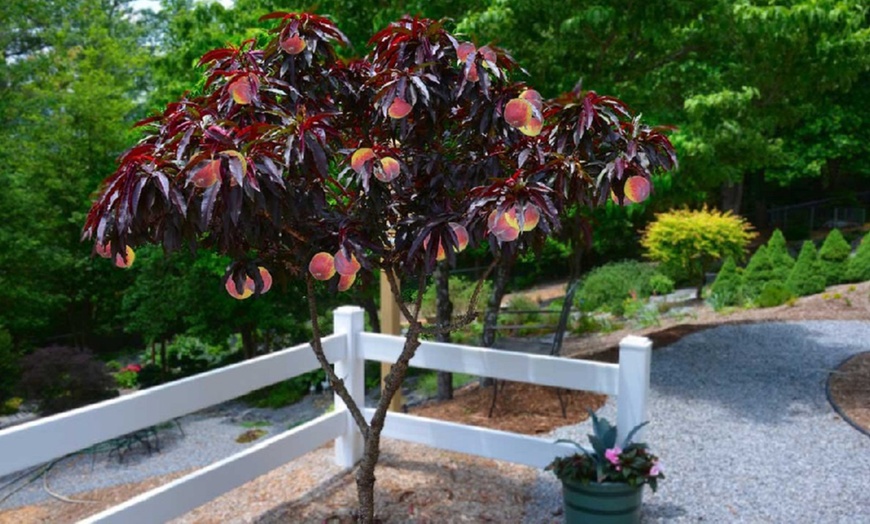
(635,354)
(350,320)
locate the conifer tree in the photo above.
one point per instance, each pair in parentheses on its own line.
(834,256)
(758,272)
(780,259)
(806,277)
(858,268)
(728,286)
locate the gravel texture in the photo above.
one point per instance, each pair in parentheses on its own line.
(198,440)
(740,420)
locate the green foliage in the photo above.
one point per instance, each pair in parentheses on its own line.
(255,424)
(641,312)
(694,240)
(61,378)
(777,252)
(127,379)
(188,355)
(727,289)
(152,375)
(547,263)
(461,293)
(806,277)
(758,272)
(11,406)
(286,392)
(858,269)
(528,316)
(774,294)
(606,287)
(834,257)
(10,371)
(661,284)
(427,384)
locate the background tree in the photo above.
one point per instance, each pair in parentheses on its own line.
(806,277)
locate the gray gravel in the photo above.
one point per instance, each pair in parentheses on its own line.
(740,419)
(208,436)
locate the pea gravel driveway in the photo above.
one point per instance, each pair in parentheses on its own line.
(740,419)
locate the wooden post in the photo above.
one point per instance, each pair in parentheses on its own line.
(390,325)
(351,321)
(635,355)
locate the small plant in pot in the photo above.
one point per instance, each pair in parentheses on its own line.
(605,485)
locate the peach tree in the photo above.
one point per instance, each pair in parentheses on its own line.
(297,164)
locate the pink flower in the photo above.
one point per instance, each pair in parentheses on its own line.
(655,470)
(613,455)
(135,368)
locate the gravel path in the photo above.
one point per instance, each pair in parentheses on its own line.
(741,422)
(208,436)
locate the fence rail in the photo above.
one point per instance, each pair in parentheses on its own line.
(52,437)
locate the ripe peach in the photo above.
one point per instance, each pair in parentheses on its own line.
(360,157)
(104,250)
(637,189)
(487,53)
(208,175)
(248,290)
(293,45)
(533,127)
(518,112)
(441,254)
(267,279)
(473,76)
(126,259)
(461,235)
(389,169)
(399,108)
(345,281)
(343,266)
(243,89)
(322,266)
(504,225)
(534,98)
(531,217)
(464,49)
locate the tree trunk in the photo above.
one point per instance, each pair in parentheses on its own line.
(493,305)
(443,317)
(164,362)
(248,342)
(732,196)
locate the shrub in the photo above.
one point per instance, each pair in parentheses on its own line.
(529,317)
(806,277)
(834,257)
(727,289)
(858,269)
(694,240)
(461,291)
(607,286)
(774,294)
(11,406)
(780,260)
(758,272)
(127,379)
(60,378)
(152,375)
(661,284)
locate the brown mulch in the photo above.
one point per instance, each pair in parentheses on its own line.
(850,389)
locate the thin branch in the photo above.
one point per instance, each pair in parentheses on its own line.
(336,383)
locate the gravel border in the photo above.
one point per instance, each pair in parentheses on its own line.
(740,417)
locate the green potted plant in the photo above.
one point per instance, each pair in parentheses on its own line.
(605,485)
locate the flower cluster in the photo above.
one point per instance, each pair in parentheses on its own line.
(631,463)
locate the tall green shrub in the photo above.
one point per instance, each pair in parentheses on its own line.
(780,260)
(834,256)
(758,272)
(858,268)
(727,289)
(806,276)
(9,365)
(607,286)
(695,240)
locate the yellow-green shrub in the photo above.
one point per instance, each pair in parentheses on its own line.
(692,241)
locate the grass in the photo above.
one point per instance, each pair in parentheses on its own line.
(255,424)
(427,385)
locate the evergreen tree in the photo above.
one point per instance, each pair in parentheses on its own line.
(728,286)
(858,269)
(806,277)
(780,259)
(834,256)
(758,272)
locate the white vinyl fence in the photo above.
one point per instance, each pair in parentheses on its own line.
(42,440)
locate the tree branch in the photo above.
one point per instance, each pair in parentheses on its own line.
(336,383)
